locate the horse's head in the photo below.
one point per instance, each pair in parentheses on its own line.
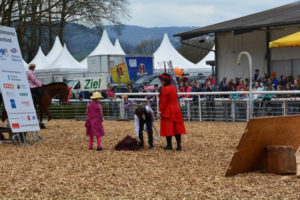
(65,94)
(60,89)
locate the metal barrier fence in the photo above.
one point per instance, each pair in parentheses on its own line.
(196,108)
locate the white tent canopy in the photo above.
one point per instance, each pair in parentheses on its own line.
(166,52)
(118,48)
(66,62)
(84,63)
(209,57)
(55,51)
(40,60)
(104,47)
(25,63)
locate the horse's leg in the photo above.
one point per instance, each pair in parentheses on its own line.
(41,115)
(48,114)
(4,118)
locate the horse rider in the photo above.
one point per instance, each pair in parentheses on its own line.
(35,85)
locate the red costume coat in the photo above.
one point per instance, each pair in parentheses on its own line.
(171,117)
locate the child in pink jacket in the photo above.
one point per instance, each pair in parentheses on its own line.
(94,127)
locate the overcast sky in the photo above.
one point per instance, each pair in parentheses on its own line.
(160,13)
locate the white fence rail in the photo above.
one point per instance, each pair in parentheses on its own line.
(196,108)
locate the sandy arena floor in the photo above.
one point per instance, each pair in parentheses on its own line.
(62,167)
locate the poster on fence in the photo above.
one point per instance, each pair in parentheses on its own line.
(93,83)
(14,84)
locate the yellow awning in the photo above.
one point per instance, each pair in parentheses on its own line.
(292,40)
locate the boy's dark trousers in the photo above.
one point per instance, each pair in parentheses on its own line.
(149,123)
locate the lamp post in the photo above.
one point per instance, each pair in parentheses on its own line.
(250,84)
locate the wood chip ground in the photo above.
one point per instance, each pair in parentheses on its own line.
(62,167)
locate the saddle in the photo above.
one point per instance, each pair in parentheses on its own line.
(128,143)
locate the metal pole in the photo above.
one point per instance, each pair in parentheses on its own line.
(250,78)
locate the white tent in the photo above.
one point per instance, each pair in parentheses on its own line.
(66,62)
(25,63)
(209,57)
(55,51)
(84,63)
(104,47)
(118,48)
(166,52)
(40,60)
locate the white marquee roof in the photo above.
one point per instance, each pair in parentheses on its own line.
(66,62)
(104,47)
(210,56)
(55,51)
(118,48)
(25,63)
(166,52)
(40,60)
(84,63)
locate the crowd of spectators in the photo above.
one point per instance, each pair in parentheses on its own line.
(259,83)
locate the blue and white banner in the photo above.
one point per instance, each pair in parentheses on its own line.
(14,84)
(139,65)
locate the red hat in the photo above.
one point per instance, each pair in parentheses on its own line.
(164,76)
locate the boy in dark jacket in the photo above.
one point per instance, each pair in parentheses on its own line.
(144,115)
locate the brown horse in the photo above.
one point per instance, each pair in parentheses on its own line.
(49,91)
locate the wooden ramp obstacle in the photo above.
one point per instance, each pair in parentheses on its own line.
(251,152)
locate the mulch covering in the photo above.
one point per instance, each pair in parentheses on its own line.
(62,167)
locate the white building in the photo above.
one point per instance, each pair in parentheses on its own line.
(253,33)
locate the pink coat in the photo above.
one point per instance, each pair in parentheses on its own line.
(32,80)
(93,124)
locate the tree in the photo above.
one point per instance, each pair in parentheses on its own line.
(37,21)
(147,46)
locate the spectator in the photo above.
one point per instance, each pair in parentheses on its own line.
(210,103)
(84,95)
(103,93)
(241,107)
(267,98)
(274,80)
(211,80)
(129,88)
(148,87)
(257,87)
(283,80)
(194,83)
(265,81)
(290,80)
(256,76)
(255,97)
(241,85)
(185,88)
(222,84)
(233,96)
(195,105)
(247,82)
(110,93)
(231,83)
(127,106)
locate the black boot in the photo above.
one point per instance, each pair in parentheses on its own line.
(178,140)
(169,143)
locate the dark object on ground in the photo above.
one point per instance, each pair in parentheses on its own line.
(1,136)
(42,126)
(128,143)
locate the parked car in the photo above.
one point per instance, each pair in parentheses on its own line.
(142,81)
(75,87)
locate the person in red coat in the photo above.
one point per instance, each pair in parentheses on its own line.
(169,112)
